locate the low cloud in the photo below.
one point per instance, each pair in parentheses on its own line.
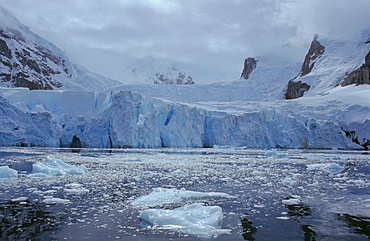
(208,39)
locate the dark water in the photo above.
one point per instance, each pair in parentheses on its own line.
(275,197)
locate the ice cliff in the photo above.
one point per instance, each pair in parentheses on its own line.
(131,120)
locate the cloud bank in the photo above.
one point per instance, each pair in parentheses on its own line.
(127,40)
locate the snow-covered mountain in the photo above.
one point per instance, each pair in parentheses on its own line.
(248,112)
(27,60)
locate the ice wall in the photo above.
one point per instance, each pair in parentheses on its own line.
(127,119)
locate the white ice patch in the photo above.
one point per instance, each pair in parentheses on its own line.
(53,166)
(195,219)
(160,196)
(6,172)
(288,181)
(292,201)
(326,167)
(272,152)
(75,191)
(52,200)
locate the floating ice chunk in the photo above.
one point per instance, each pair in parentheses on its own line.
(320,156)
(75,191)
(291,201)
(223,147)
(288,181)
(73,185)
(149,173)
(195,219)
(178,171)
(52,200)
(6,172)
(160,196)
(134,159)
(20,199)
(53,166)
(326,167)
(272,152)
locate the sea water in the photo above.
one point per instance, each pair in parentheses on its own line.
(220,193)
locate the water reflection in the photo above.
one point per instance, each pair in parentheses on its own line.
(359,225)
(297,212)
(25,221)
(248,230)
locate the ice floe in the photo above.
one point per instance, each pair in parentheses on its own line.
(160,196)
(52,200)
(326,167)
(195,219)
(6,172)
(53,166)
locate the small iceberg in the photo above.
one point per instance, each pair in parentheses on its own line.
(53,200)
(195,219)
(6,172)
(160,196)
(52,166)
(326,167)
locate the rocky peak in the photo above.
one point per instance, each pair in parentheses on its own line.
(296,88)
(249,65)
(25,63)
(360,75)
(314,53)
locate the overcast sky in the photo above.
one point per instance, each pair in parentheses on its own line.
(208,39)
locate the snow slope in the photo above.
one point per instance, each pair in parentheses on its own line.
(27,60)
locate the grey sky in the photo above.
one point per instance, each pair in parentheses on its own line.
(208,39)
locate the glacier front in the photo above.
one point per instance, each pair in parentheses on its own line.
(126,119)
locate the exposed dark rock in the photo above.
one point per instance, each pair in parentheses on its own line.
(27,64)
(173,77)
(249,65)
(5,49)
(76,142)
(359,76)
(295,89)
(314,53)
(365,143)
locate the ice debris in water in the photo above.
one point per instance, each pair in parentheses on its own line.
(294,200)
(160,196)
(6,172)
(272,152)
(195,219)
(52,200)
(53,166)
(75,189)
(326,167)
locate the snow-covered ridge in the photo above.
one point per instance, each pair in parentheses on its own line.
(27,60)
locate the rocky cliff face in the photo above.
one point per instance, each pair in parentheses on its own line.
(296,88)
(359,76)
(249,65)
(27,64)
